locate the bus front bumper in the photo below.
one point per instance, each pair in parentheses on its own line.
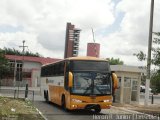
(102,105)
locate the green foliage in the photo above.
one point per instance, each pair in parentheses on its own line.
(12,51)
(115,61)
(4,66)
(155,81)
(156,50)
(155,78)
(141,56)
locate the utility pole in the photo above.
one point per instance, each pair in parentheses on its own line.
(149,54)
(23,46)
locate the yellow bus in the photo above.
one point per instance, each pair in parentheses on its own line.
(79,83)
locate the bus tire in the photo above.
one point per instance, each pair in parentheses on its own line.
(46,95)
(64,103)
(97,110)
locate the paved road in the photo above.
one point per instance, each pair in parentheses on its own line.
(54,112)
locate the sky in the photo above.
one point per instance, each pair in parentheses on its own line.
(120,26)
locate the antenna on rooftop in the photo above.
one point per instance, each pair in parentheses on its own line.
(93,35)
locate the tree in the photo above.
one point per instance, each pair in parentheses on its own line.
(115,61)
(155,78)
(13,51)
(4,66)
(155,74)
(141,56)
(155,81)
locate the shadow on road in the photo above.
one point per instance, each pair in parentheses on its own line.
(72,112)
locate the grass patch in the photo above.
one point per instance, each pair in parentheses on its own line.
(18,109)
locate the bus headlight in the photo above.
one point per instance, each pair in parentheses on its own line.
(76,100)
(106,100)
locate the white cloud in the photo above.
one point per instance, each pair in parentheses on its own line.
(133,35)
(45,20)
(44,24)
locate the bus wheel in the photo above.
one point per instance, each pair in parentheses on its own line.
(97,110)
(46,95)
(64,103)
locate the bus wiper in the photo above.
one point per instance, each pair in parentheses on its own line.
(98,90)
(90,87)
(86,78)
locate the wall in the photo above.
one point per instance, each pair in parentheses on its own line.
(35,78)
(34,68)
(32,65)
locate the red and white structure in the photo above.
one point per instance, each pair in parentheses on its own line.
(93,49)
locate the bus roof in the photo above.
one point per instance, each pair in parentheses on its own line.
(78,58)
(85,58)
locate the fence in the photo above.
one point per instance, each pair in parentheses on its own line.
(10,82)
(20,93)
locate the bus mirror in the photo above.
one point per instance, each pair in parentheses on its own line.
(115,81)
(70,82)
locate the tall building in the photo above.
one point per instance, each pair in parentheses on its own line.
(71,41)
(93,49)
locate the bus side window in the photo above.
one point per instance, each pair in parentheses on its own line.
(61,72)
(66,75)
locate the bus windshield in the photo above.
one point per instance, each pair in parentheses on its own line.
(91,83)
(91,77)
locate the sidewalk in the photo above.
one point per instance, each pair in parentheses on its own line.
(126,113)
(133,108)
(119,110)
(149,104)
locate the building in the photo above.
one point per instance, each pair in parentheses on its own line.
(93,49)
(30,71)
(71,41)
(129,83)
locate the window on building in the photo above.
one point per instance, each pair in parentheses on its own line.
(119,82)
(127,82)
(134,85)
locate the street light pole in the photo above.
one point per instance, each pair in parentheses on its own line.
(149,55)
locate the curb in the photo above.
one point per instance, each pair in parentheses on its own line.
(41,114)
(124,109)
